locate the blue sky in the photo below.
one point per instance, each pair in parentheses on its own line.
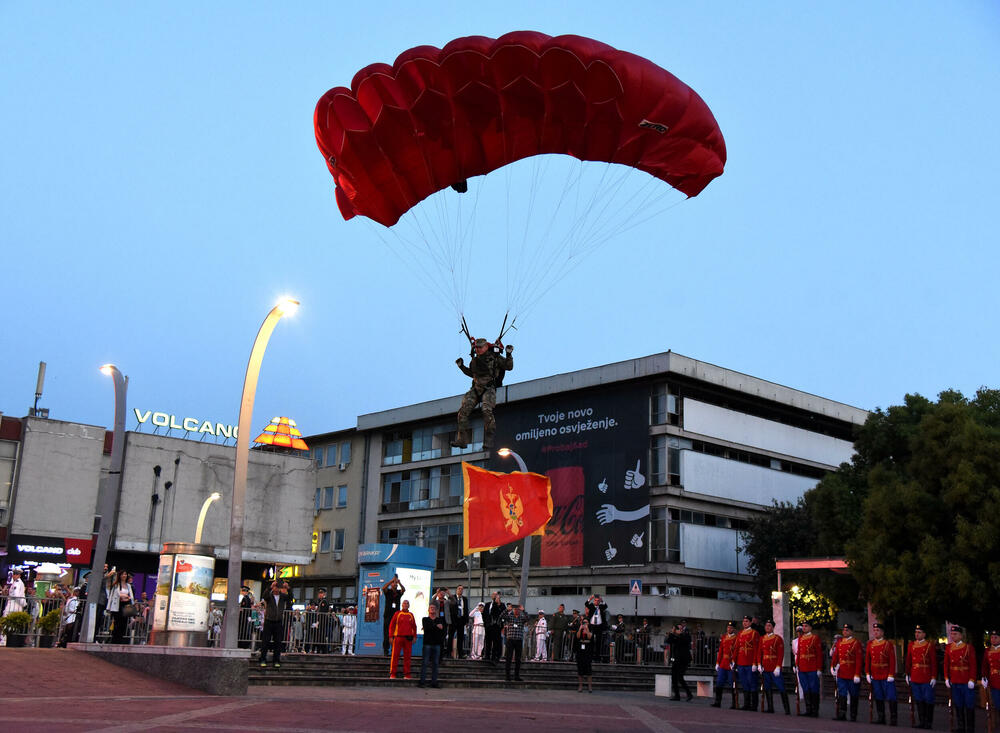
(160,188)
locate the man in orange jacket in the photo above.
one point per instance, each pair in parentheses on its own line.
(991,671)
(769,660)
(402,631)
(960,678)
(724,665)
(808,660)
(847,664)
(921,675)
(880,666)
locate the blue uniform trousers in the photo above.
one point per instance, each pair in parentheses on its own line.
(724,677)
(963,697)
(748,678)
(884,690)
(848,688)
(772,680)
(922,692)
(809,681)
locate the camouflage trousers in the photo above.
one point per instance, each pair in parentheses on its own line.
(488,397)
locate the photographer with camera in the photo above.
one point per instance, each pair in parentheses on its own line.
(680,658)
(597,615)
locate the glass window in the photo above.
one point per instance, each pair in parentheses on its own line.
(351,593)
(318,454)
(341,496)
(345,452)
(319,495)
(328,497)
(324,541)
(331,455)
(663,406)
(335,592)
(338,540)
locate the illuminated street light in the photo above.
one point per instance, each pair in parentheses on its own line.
(526,559)
(201,517)
(284,307)
(107,499)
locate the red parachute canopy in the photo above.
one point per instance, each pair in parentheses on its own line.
(439,116)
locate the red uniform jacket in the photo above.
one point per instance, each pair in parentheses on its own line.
(847,652)
(991,667)
(921,662)
(402,624)
(959,663)
(772,652)
(747,643)
(880,659)
(726,647)
(810,654)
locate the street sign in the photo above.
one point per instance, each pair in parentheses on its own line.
(635,587)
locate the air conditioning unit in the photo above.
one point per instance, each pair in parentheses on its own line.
(673,591)
(338,555)
(342,466)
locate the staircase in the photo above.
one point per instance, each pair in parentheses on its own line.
(373,671)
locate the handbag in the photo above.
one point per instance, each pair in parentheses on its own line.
(129,610)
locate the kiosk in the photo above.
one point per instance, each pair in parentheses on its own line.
(377,563)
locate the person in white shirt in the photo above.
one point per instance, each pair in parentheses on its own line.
(478,632)
(349,628)
(15,594)
(541,634)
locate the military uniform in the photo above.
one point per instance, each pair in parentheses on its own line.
(880,666)
(747,644)
(808,658)
(960,677)
(769,660)
(991,671)
(487,371)
(847,664)
(724,662)
(921,673)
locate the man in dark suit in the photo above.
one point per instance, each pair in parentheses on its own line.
(459,620)
(442,602)
(680,654)
(491,619)
(276,601)
(597,617)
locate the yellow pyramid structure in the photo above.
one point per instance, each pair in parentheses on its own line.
(282,433)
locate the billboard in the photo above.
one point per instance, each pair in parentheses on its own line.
(593,446)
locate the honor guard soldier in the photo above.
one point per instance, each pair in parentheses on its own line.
(847,665)
(960,678)
(808,660)
(880,667)
(991,673)
(747,648)
(921,674)
(724,663)
(769,659)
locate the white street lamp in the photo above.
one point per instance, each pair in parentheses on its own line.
(201,517)
(285,307)
(526,559)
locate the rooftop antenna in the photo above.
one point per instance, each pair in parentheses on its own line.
(35,412)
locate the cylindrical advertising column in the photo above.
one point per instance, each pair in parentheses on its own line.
(183,593)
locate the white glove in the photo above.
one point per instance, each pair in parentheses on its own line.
(934,682)
(834,670)
(947,683)
(985,682)
(857,680)
(890,678)
(754,668)
(869,678)
(717,668)
(777,671)
(972,684)
(907,679)
(795,670)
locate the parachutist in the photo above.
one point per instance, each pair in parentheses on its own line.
(486,367)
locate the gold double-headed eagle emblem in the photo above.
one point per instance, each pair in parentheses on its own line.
(512,509)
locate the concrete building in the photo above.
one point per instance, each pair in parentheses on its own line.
(656,465)
(55,467)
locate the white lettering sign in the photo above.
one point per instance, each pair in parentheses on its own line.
(40,549)
(187,424)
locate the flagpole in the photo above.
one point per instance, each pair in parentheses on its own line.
(526,558)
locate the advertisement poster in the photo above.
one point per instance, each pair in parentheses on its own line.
(191,588)
(162,595)
(418,592)
(372,596)
(594,447)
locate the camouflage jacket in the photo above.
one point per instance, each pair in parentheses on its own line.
(485,369)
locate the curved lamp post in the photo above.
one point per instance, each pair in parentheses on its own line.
(107,496)
(285,307)
(201,517)
(526,559)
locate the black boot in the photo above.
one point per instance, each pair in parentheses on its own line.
(733,706)
(815,697)
(921,715)
(461,439)
(747,705)
(784,702)
(929,715)
(880,707)
(841,709)
(855,700)
(718,698)
(754,700)
(807,701)
(769,699)
(893,713)
(970,719)
(959,719)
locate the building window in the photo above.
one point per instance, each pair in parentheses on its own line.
(351,593)
(341,497)
(324,541)
(397,449)
(345,452)
(331,455)
(663,407)
(446,539)
(319,498)
(318,454)
(664,537)
(335,592)
(665,460)
(327,498)
(338,540)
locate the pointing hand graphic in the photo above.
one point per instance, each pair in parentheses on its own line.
(610,552)
(603,486)
(637,539)
(634,479)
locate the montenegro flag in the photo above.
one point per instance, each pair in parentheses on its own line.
(503,507)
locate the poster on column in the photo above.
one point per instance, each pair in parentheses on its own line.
(162,596)
(191,588)
(594,448)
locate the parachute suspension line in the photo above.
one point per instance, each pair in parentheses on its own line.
(433,246)
(537,165)
(595,235)
(466,247)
